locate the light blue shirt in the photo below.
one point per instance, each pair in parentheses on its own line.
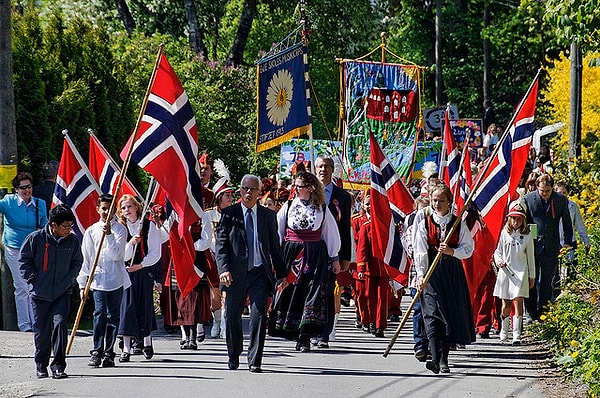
(20,218)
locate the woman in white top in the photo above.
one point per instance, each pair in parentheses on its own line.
(310,239)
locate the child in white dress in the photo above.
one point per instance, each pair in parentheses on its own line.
(514,257)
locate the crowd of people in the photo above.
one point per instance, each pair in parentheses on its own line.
(288,253)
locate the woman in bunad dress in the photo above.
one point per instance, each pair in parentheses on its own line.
(310,241)
(223,198)
(142,259)
(445,300)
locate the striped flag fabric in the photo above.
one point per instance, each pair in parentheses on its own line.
(501,179)
(464,180)
(105,171)
(167,148)
(451,157)
(76,187)
(390,202)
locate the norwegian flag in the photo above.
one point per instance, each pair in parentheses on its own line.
(76,188)
(105,170)
(465,179)
(450,162)
(501,179)
(390,202)
(167,148)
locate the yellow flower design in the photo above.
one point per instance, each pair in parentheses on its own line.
(279,97)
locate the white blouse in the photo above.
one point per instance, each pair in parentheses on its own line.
(420,245)
(154,243)
(308,217)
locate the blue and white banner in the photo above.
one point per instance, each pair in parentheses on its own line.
(283,97)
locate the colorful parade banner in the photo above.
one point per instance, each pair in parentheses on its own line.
(283,97)
(298,151)
(383,99)
(462,128)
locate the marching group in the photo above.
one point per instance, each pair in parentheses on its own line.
(289,256)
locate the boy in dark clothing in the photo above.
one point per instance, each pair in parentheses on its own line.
(49,260)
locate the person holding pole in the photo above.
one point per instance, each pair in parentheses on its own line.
(445,301)
(109,280)
(49,260)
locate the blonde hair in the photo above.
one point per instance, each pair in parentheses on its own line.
(524,227)
(135,202)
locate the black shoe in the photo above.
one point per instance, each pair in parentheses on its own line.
(233,364)
(357,324)
(444,368)
(255,369)
(421,355)
(372,329)
(148,352)
(192,345)
(314,341)
(124,357)
(434,367)
(59,374)
(200,338)
(394,318)
(304,347)
(484,335)
(108,362)
(379,333)
(41,374)
(94,360)
(323,344)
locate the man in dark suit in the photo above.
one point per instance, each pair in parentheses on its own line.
(546,209)
(340,205)
(247,253)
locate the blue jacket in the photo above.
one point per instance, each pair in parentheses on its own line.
(64,263)
(20,221)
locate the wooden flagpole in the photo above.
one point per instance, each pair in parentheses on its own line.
(112,209)
(459,216)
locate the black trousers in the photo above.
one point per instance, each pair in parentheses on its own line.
(258,288)
(50,332)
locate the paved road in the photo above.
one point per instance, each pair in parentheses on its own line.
(352,367)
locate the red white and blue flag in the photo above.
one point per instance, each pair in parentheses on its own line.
(450,162)
(167,148)
(502,177)
(390,202)
(465,179)
(105,170)
(76,188)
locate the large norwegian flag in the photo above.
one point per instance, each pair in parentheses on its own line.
(390,202)
(76,188)
(450,162)
(500,181)
(105,170)
(167,148)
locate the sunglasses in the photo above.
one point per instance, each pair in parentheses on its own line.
(23,187)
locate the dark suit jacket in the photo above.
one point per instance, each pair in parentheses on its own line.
(231,248)
(548,223)
(340,206)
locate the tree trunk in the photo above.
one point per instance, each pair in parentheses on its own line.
(125,16)
(486,53)
(236,54)
(8,145)
(438,53)
(196,32)
(575,103)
